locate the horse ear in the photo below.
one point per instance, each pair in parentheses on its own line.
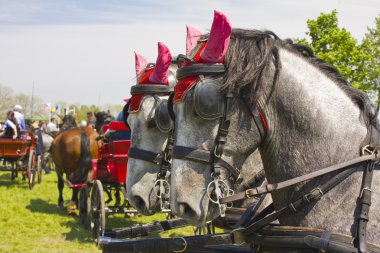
(161,69)
(218,40)
(140,63)
(192,36)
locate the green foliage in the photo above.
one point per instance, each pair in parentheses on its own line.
(81,111)
(371,43)
(336,46)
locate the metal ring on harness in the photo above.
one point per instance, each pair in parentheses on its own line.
(184,246)
(164,183)
(221,182)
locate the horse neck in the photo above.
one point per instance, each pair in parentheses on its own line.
(312,124)
(312,121)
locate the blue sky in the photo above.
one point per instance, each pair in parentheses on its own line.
(82,51)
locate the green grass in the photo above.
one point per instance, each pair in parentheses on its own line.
(30,221)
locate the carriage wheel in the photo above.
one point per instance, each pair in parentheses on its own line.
(98,211)
(31,169)
(39,169)
(84,207)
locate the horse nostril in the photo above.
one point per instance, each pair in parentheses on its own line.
(139,202)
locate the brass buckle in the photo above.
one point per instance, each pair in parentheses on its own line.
(247,195)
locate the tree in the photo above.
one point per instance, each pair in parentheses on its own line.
(371,43)
(337,47)
(6,102)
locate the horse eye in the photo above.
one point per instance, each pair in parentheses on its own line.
(195,114)
(151,123)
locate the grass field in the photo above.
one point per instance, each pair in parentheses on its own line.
(30,221)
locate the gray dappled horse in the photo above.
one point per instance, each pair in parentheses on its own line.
(146,119)
(149,130)
(314,120)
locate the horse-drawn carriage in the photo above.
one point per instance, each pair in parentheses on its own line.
(109,178)
(20,155)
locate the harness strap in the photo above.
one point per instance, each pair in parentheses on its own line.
(258,178)
(68,183)
(177,244)
(150,89)
(138,230)
(202,156)
(221,139)
(327,245)
(277,186)
(200,69)
(166,164)
(309,198)
(145,155)
(271,237)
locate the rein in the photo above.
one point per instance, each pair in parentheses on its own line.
(269,188)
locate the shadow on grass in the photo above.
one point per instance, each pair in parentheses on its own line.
(77,233)
(42,206)
(5,180)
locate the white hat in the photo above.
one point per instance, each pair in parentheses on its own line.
(17,108)
(83,123)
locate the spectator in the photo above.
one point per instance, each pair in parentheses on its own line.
(19,116)
(11,127)
(40,149)
(91,120)
(110,116)
(42,126)
(52,126)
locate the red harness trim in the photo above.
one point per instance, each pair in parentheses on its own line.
(265,125)
(137,98)
(185,84)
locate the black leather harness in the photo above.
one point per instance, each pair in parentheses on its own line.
(162,158)
(254,230)
(370,154)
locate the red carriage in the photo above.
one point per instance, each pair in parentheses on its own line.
(20,155)
(109,178)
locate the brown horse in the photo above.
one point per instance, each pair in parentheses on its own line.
(72,152)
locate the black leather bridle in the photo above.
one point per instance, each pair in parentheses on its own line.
(213,157)
(162,158)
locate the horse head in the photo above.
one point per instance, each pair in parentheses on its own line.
(146,114)
(102,118)
(68,122)
(206,153)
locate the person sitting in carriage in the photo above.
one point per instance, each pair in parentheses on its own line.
(19,116)
(11,127)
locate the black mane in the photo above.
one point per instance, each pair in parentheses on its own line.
(250,53)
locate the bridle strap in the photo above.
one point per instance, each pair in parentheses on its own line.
(145,155)
(200,69)
(202,156)
(150,89)
(166,159)
(191,154)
